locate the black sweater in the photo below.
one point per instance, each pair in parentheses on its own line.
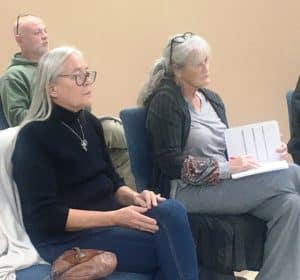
(53,173)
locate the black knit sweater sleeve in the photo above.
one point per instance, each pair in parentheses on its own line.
(35,176)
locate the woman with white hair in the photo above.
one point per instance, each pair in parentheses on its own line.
(71,195)
(186,123)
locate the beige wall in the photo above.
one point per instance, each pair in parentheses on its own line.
(255,46)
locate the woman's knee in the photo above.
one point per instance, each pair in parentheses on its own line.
(168,210)
(293,171)
(288,208)
(291,204)
(294,168)
(171,205)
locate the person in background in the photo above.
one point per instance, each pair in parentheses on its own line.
(71,195)
(294,143)
(115,141)
(186,123)
(16,83)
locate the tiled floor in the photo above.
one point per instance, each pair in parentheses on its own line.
(250,275)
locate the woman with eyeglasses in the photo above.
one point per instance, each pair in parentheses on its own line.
(71,195)
(186,123)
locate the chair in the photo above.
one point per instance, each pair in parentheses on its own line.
(3,121)
(117,148)
(252,229)
(38,271)
(138,143)
(43,272)
(289,96)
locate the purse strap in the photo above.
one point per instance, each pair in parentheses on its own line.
(79,255)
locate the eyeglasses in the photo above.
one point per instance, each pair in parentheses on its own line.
(178,40)
(18,21)
(82,77)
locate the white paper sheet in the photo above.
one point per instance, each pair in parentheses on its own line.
(259,140)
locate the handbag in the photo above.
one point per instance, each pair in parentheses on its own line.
(83,264)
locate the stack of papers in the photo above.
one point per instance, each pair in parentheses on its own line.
(259,140)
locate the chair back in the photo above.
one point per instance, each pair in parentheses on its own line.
(3,121)
(289,96)
(138,143)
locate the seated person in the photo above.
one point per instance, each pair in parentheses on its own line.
(18,257)
(71,195)
(294,143)
(16,250)
(16,84)
(186,123)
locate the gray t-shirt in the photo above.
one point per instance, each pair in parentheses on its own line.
(206,138)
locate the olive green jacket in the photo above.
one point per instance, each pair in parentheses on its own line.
(16,88)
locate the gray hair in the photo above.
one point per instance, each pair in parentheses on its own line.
(163,68)
(50,66)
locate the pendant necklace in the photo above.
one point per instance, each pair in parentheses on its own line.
(83,141)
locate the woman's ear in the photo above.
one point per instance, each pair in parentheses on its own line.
(52,90)
(176,71)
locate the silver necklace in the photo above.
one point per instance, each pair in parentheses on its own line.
(83,141)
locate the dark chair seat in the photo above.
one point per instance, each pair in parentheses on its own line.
(224,243)
(228,243)
(42,272)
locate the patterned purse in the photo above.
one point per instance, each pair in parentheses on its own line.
(200,171)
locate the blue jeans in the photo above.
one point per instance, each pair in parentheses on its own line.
(168,254)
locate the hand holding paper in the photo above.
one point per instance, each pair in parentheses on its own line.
(242,163)
(283,151)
